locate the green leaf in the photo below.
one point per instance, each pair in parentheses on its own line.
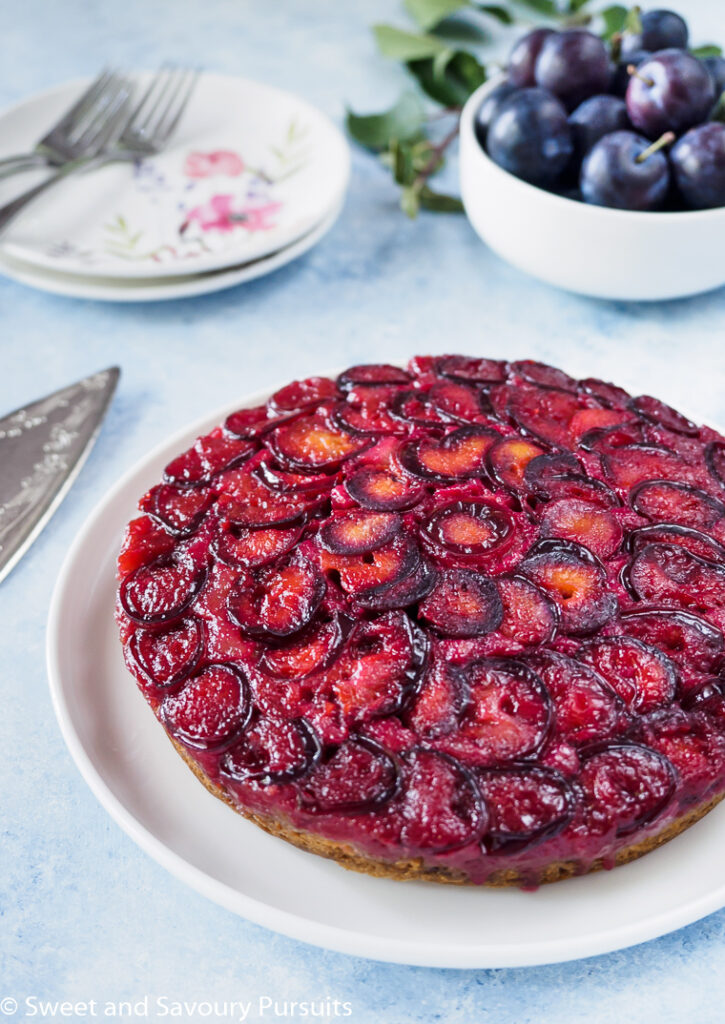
(428,13)
(614,18)
(452,82)
(633,21)
(439,202)
(547,7)
(399,45)
(403,122)
(410,201)
(402,162)
(577,5)
(710,50)
(502,14)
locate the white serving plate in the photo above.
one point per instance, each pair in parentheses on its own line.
(158,289)
(138,777)
(249,171)
(610,254)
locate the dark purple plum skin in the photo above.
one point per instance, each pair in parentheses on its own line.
(716,67)
(661,30)
(698,165)
(596,117)
(574,65)
(530,137)
(671,92)
(612,177)
(621,75)
(490,107)
(522,61)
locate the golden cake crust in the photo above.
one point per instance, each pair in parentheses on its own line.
(415,870)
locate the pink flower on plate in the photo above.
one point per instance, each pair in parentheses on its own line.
(220,161)
(224,213)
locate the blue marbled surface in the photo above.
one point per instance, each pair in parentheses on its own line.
(83,913)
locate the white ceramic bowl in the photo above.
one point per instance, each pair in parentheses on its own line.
(611,254)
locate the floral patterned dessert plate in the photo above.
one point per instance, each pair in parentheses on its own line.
(250,170)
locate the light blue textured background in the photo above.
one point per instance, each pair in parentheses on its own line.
(83,912)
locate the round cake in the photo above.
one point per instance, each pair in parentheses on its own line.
(460,622)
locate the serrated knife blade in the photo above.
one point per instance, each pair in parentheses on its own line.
(42,448)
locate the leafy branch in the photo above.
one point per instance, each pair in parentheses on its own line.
(448,53)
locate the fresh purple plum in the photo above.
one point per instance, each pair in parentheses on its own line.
(716,67)
(522,62)
(661,30)
(670,92)
(617,173)
(596,117)
(573,65)
(622,72)
(698,164)
(490,107)
(531,138)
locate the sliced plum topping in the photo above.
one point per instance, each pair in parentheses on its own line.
(670,574)
(587,708)
(457,401)
(559,476)
(640,674)
(144,541)
(676,503)
(507,718)
(441,701)
(529,616)
(715,459)
(179,509)
(526,805)
(211,709)
(691,742)
(248,549)
(543,412)
(576,582)
(625,786)
(382,490)
(278,601)
(467,368)
(441,806)
(605,439)
(309,445)
(311,652)
(458,456)
(691,642)
(402,593)
(284,482)
(356,532)
(379,666)
(545,468)
(161,591)
(207,457)
(245,501)
(470,528)
(630,464)
(608,394)
(414,407)
(658,412)
(543,375)
(249,424)
(670,533)
(272,751)
(369,419)
(595,528)
(166,659)
(357,776)
(587,420)
(359,574)
(302,394)
(373,374)
(462,603)
(508,459)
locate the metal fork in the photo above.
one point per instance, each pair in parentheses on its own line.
(72,134)
(145,133)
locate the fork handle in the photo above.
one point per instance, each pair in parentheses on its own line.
(10,210)
(22,162)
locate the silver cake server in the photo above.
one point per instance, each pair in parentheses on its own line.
(42,448)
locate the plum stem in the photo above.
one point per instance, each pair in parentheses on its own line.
(632,70)
(616,47)
(664,140)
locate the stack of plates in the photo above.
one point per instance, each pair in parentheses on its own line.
(253,178)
